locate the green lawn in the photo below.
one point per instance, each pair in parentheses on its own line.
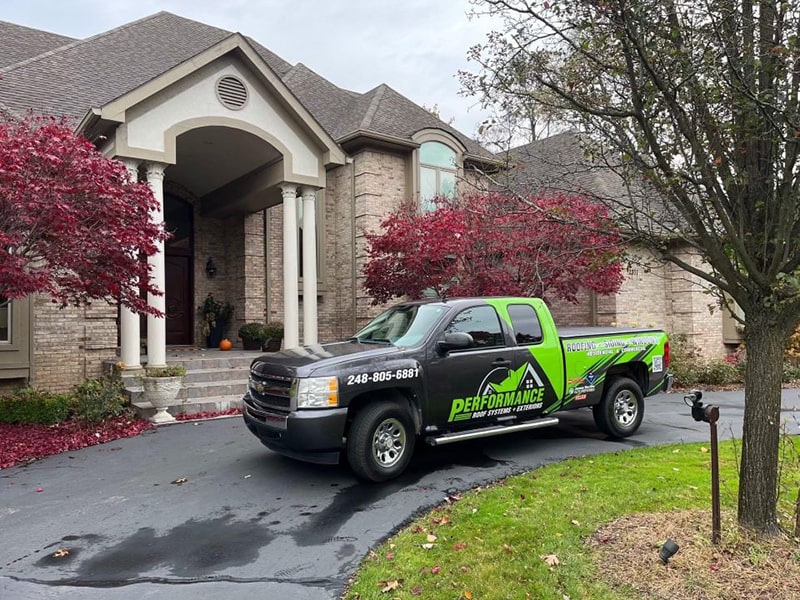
(525,536)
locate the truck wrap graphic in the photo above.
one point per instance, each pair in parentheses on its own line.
(591,359)
(503,391)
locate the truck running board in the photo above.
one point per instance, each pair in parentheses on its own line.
(449,438)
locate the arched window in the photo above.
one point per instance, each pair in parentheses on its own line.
(437,173)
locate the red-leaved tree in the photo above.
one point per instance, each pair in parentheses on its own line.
(72,223)
(491,244)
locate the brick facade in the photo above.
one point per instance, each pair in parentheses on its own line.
(70,344)
(655,295)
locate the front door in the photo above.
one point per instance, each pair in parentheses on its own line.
(178,263)
(178,271)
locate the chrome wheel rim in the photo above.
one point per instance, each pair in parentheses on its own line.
(389,442)
(626,408)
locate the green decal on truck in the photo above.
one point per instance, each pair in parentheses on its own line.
(518,390)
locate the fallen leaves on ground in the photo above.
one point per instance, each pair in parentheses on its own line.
(551,560)
(24,443)
(208,414)
(389,586)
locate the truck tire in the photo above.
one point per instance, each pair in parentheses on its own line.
(621,410)
(380,442)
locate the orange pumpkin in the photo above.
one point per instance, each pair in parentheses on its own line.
(225,344)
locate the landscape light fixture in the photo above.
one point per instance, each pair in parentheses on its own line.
(668,550)
(211,268)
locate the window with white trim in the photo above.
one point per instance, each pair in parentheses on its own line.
(438,168)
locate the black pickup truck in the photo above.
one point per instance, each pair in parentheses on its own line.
(442,371)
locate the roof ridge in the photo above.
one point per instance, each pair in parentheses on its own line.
(535,143)
(78,42)
(366,121)
(323,78)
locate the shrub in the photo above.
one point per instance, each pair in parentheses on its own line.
(253,331)
(273,330)
(791,371)
(168,371)
(691,368)
(29,405)
(98,399)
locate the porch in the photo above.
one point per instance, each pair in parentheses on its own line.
(215,381)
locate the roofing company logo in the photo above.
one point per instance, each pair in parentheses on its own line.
(502,391)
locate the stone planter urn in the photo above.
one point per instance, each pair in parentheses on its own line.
(161,387)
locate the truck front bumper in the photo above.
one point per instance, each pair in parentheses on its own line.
(315,436)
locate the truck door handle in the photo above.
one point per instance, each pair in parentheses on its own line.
(501,362)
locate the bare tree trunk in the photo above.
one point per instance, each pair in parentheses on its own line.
(758,485)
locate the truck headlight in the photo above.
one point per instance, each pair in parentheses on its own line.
(317,392)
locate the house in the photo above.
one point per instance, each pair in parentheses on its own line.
(268,176)
(653,293)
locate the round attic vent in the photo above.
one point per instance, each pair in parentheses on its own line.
(232,92)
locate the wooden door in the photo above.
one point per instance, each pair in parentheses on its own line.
(178,299)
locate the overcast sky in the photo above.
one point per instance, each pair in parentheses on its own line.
(414,46)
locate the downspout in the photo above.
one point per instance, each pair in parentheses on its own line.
(266,267)
(354,285)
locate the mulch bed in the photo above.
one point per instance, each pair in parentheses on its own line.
(25,443)
(742,567)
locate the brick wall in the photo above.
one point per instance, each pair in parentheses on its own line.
(642,299)
(70,344)
(654,294)
(380,189)
(695,314)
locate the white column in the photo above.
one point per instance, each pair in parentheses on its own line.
(128,320)
(309,266)
(291,306)
(157,326)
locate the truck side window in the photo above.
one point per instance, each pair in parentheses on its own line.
(482,323)
(525,321)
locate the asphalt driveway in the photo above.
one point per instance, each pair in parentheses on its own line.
(204,511)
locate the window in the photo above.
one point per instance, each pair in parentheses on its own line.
(5,321)
(481,323)
(525,321)
(437,173)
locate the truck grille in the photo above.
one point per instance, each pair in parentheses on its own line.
(270,392)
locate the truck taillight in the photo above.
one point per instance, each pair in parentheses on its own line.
(666,355)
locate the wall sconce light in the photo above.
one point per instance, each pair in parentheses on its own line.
(668,550)
(211,268)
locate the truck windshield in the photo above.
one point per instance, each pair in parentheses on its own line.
(401,325)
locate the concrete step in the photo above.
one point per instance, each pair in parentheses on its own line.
(215,381)
(197,390)
(192,407)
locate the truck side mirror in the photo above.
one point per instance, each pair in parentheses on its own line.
(455,341)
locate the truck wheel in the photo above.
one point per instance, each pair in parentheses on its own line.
(621,410)
(380,442)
